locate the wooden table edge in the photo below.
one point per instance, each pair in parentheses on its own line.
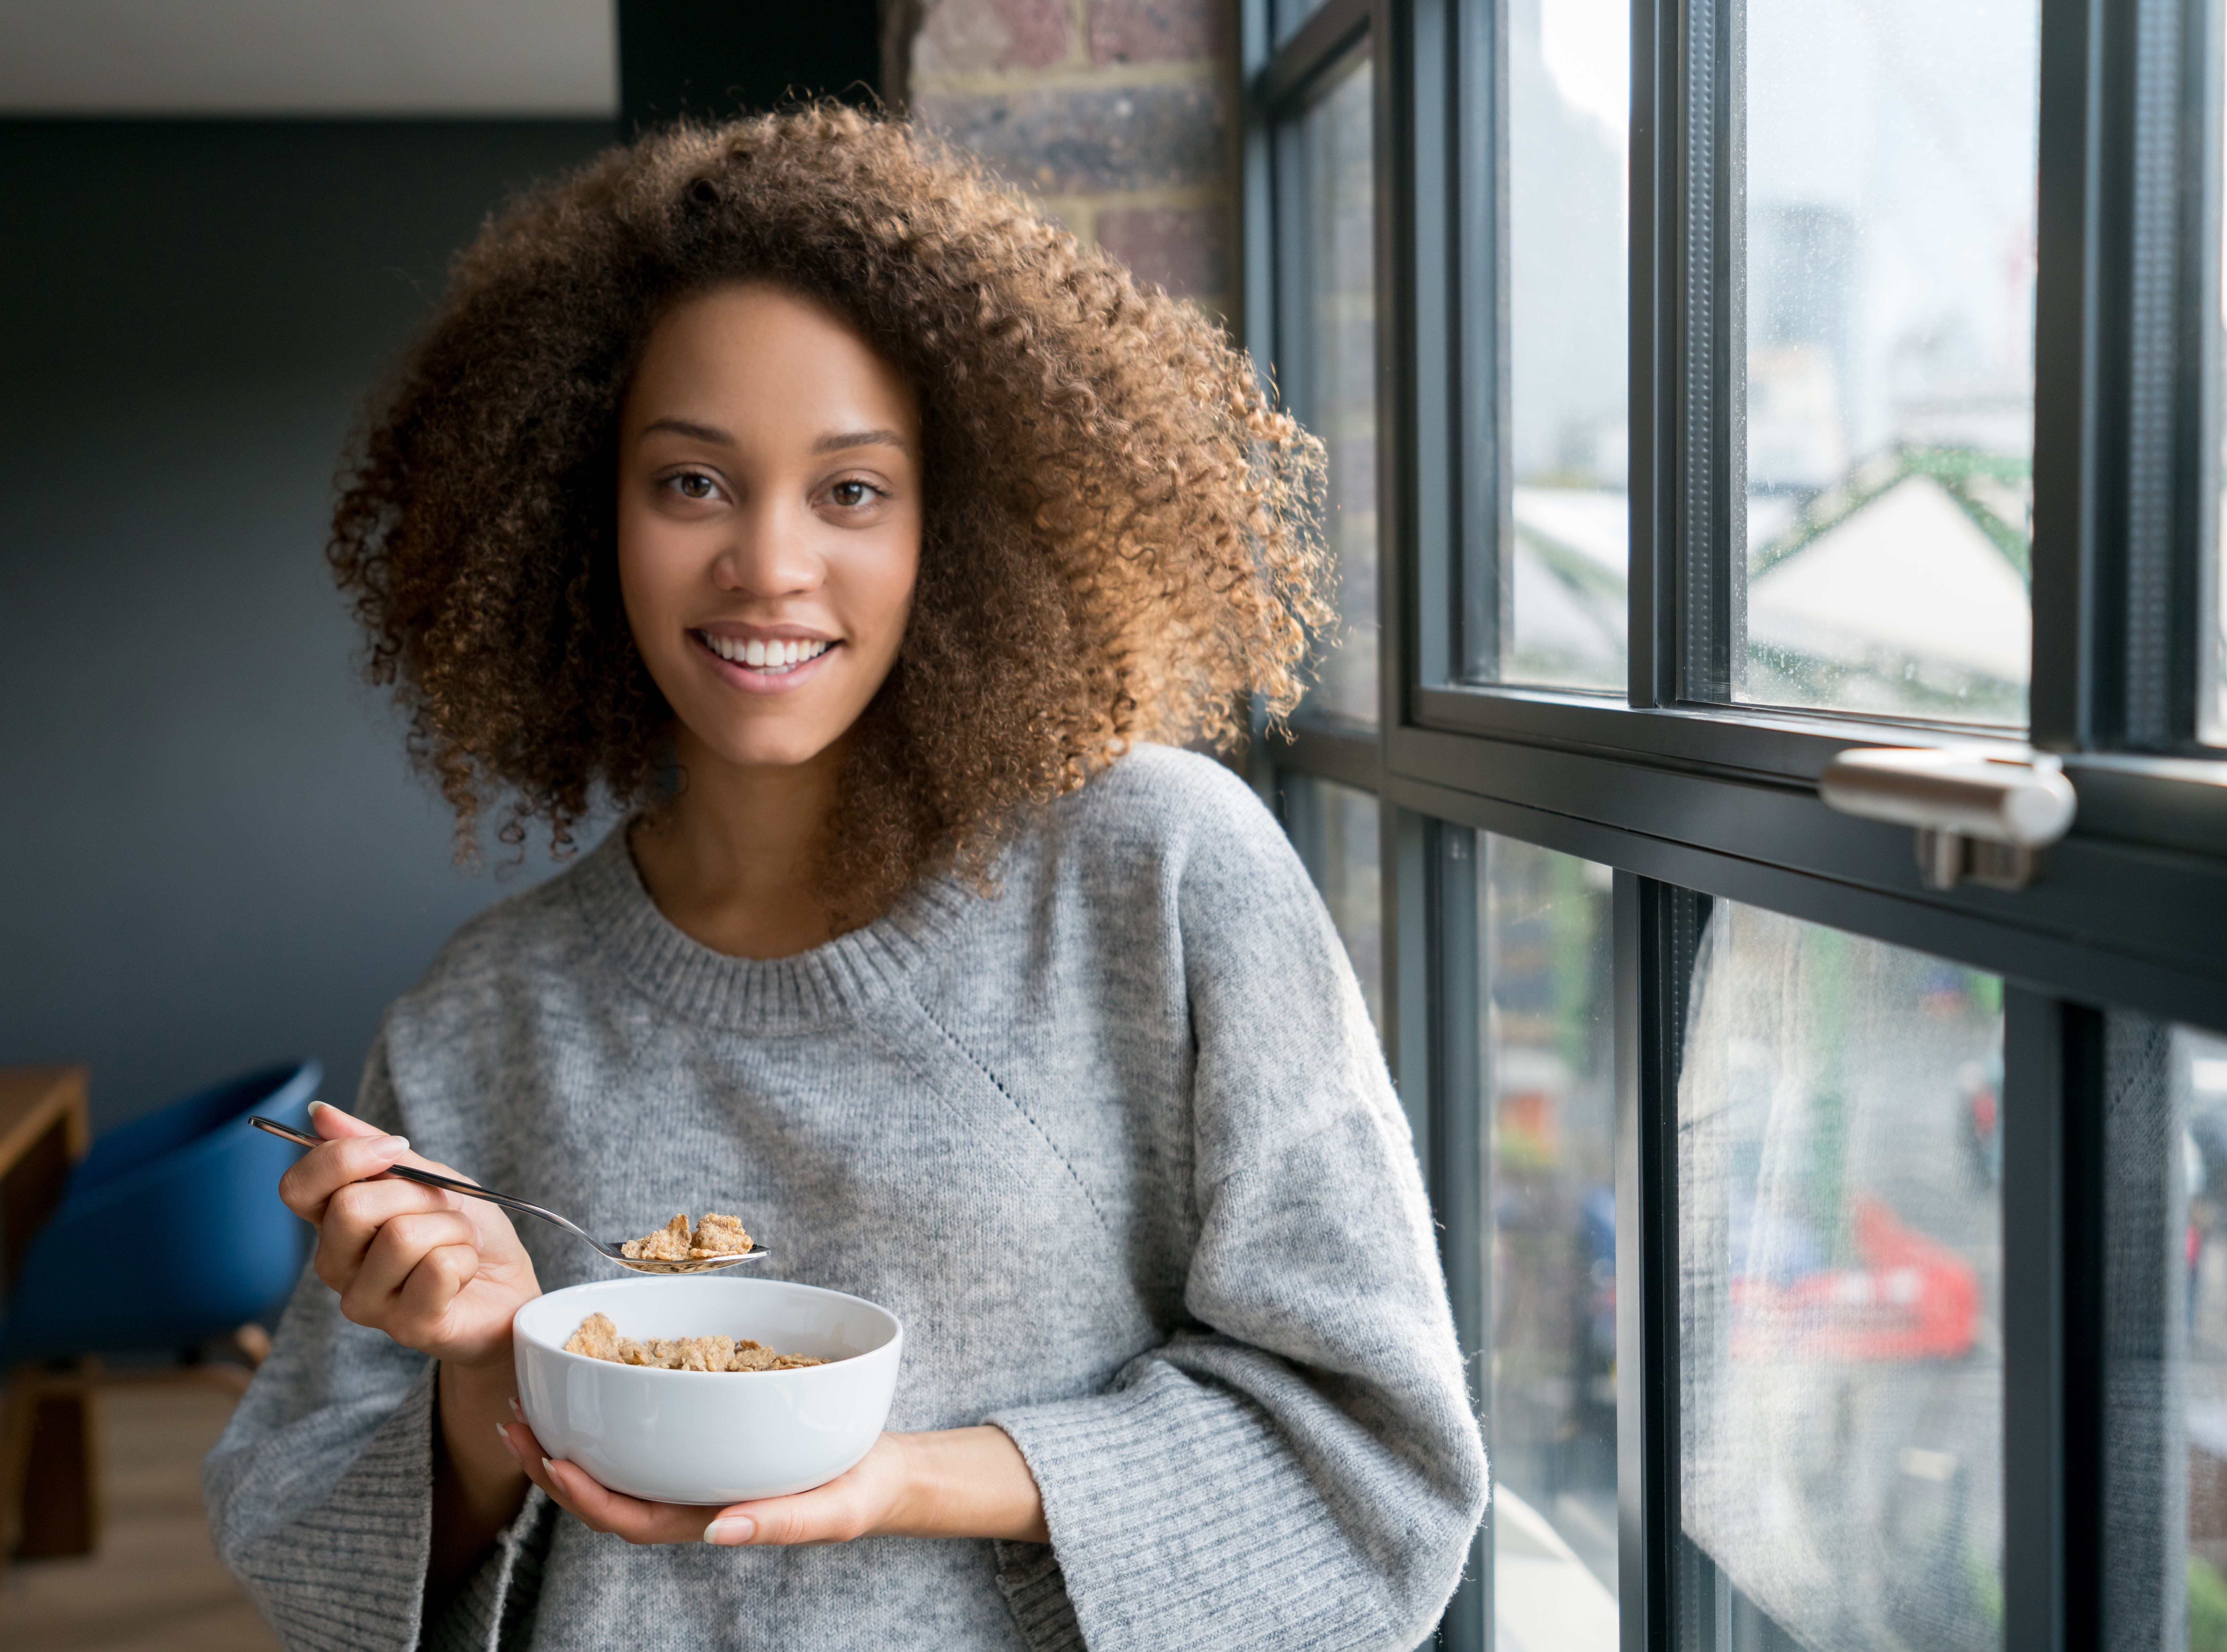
(52,1093)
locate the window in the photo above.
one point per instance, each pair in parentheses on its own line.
(1828,1200)
(1332,347)
(1545,1017)
(1567,531)
(1889,232)
(1841,1381)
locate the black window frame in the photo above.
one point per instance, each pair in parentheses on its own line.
(1688,794)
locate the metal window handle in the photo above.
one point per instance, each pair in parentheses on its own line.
(1980,819)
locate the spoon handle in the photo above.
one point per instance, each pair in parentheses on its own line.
(427,1178)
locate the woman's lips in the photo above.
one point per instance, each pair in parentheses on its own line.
(764,679)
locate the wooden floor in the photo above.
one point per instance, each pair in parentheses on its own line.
(155,1586)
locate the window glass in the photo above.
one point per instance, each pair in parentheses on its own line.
(2165,1221)
(1839,1160)
(1547,1066)
(1334,828)
(1567,531)
(1889,413)
(1290,14)
(1331,374)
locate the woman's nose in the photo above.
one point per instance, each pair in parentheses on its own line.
(769,555)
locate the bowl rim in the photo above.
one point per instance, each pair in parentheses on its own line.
(890,1348)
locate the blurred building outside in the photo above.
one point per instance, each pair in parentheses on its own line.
(1886,426)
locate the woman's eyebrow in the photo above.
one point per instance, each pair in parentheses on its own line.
(842,441)
(685,427)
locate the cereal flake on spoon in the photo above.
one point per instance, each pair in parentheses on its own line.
(716,1235)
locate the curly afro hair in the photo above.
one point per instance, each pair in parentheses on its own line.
(1120,536)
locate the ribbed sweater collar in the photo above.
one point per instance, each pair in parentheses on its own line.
(770,996)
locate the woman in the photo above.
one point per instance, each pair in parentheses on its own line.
(799,490)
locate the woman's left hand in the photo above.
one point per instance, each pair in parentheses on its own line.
(955,1483)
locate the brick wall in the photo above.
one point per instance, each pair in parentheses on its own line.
(1119,115)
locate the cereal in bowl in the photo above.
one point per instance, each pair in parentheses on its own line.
(599,1339)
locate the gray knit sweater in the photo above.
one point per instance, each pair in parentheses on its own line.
(1116,1145)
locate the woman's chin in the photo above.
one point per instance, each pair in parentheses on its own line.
(771,747)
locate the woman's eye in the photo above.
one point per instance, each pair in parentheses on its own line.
(852,494)
(693,485)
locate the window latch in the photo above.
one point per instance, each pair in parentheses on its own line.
(1981,819)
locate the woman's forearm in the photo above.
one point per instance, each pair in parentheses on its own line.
(967,1482)
(478,1487)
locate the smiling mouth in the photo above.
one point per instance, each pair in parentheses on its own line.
(773,658)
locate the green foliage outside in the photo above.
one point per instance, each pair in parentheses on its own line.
(2207,1608)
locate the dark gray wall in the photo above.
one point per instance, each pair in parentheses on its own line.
(211,851)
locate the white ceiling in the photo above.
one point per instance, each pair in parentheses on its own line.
(317,58)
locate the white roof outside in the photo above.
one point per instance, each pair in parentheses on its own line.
(1911,574)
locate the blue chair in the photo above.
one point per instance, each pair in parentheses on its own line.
(190,1194)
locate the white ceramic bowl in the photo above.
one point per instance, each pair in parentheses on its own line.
(707,1436)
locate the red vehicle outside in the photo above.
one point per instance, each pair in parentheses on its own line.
(1914,1299)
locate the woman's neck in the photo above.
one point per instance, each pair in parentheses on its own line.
(729,863)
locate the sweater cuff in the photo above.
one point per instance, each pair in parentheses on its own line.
(1157,1496)
(350,1575)
(1036,1593)
(487,1613)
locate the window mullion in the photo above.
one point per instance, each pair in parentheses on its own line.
(1428,558)
(1711,368)
(1656,211)
(1257,199)
(1649,1004)
(2080,349)
(1480,611)
(2052,1321)
(2121,347)
(1460,1173)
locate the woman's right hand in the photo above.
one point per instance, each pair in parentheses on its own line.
(435,1271)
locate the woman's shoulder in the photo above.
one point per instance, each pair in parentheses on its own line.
(1199,822)
(1170,794)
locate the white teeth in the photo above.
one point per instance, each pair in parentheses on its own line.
(782,653)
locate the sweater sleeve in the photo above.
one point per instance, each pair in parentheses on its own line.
(320,1492)
(1300,1466)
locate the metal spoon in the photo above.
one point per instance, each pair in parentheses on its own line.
(639,1265)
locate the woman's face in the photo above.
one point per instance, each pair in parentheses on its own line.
(768,521)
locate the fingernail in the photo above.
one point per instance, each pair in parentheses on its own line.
(503,1434)
(396,1143)
(548,1468)
(515,1411)
(736,1528)
(317,1106)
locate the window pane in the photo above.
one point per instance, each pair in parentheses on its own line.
(1331,373)
(1290,14)
(1890,261)
(1546,1026)
(2164,1214)
(1562,602)
(1840,1262)
(1334,828)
